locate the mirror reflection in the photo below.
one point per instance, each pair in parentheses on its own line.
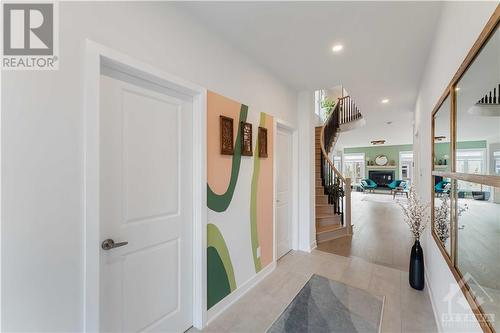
(442,211)
(442,137)
(478,250)
(478,115)
(478,153)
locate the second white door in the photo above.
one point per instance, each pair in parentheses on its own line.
(283,192)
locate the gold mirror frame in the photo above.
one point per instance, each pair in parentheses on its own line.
(483,38)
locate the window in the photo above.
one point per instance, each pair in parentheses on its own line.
(470,161)
(319,97)
(354,167)
(496,157)
(406,165)
(337,161)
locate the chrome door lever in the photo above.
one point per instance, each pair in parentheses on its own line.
(109,244)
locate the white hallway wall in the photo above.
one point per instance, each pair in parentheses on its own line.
(42,145)
(460,25)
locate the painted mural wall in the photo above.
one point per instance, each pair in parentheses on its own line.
(239,199)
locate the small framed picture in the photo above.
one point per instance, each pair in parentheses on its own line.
(226,136)
(262,138)
(246,139)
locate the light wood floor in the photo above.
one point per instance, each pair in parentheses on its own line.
(380,234)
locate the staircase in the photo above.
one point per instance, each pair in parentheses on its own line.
(333,190)
(327,221)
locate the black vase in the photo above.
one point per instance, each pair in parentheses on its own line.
(416,275)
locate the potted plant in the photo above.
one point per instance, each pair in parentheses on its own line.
(328,105)
(416,216)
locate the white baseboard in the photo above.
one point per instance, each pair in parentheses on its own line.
(433,304)
(227,301)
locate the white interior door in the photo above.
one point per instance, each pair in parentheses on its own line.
(145,200)
(283,192)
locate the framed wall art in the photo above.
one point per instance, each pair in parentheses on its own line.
(226,136)
(246,139)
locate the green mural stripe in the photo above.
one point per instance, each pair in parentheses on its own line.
(217,281)
(253,200)
(220,202)
(215,240)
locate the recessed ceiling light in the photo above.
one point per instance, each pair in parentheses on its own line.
(385,101)
(337,47)
(457,88)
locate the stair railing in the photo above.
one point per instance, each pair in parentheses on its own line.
(336,186)
(348,111)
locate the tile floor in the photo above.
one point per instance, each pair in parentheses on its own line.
(405,310)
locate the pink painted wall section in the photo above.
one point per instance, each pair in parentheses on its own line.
(218,165)
(265,195)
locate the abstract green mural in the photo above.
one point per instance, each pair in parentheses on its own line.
(219,203)
(220,272)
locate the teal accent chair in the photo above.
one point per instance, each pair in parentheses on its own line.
(403,188)
(368,185)
(406,186)
(442,187)
(395,183)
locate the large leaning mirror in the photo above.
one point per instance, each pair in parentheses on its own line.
(442,185)
(478,153)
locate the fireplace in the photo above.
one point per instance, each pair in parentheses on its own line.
(381,177)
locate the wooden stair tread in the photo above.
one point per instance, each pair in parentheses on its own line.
(327,228)
(324,216)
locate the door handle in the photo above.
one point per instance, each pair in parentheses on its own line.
(109,244)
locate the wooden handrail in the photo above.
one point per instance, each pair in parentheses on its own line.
(322,143)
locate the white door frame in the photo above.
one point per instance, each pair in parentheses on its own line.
(295,177)
(95,56)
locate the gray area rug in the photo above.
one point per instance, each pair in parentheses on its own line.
(323,305)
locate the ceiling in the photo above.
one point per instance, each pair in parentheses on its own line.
(385,51)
